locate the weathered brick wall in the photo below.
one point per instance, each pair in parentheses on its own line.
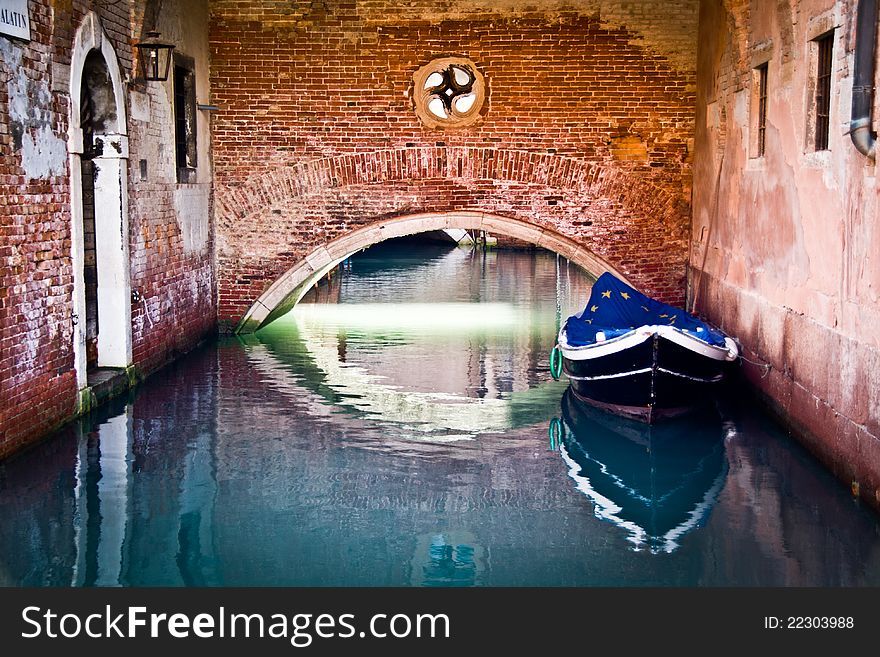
(37,380)
(38,385)
(781,250)
(171,237)
(587,128)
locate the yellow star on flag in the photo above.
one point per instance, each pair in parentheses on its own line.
(594,309)
(589,321)
(607,294)
(625,295)
(664,315)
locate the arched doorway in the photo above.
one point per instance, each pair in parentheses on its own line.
(98,152)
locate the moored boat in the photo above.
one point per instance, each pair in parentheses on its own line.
(637,357)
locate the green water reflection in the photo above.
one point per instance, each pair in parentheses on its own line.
(393,431)
(416,346)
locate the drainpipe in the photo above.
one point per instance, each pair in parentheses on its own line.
(863,78)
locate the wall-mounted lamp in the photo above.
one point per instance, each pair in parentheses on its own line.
(155,58)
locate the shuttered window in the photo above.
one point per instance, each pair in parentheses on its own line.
(824,47)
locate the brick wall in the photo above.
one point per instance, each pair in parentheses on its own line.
(171,237)
(586,130)
(38,383)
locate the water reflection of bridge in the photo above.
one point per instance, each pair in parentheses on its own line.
(203,485)
(444,370)
(303,361)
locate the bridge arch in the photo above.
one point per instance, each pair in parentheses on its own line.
(268,221)
(292,285)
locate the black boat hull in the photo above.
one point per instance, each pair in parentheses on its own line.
(654,379)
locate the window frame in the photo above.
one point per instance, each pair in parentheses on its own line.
(821,106)
(185,118)
(760,97)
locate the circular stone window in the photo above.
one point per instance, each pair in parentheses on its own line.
(448,93)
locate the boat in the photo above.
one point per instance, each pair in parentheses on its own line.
(656,482)
(637,357)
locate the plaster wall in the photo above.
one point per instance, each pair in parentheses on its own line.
(784,246)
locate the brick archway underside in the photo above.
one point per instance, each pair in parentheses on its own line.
(281,230)
(288,289)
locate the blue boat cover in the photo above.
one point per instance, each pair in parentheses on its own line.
(615,309)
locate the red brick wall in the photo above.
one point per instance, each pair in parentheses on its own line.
(37,381)
(38,389)
(586,128)
(175,279)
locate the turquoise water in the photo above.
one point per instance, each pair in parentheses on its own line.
(400,428)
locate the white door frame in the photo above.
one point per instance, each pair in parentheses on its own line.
(111,213)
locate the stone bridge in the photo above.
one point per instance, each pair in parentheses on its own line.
(279,232)
(338,129)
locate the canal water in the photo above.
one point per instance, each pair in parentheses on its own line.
(400,428)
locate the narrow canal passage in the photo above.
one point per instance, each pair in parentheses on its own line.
(400,427)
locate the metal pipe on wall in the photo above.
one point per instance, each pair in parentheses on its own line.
(860,131)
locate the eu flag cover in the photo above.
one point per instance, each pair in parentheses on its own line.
(615,309)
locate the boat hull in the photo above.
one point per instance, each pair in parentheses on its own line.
(648,381)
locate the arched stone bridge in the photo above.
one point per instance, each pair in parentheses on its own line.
(279,232)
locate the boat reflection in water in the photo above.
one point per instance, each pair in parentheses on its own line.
(657,482)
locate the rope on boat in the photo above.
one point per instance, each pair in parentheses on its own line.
(767,366)
(555,363)
(618,375)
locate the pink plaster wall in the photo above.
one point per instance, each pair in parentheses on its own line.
(784,253)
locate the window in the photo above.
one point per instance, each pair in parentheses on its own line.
(824,46)
(759,122)
(185,119)
(448,93)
